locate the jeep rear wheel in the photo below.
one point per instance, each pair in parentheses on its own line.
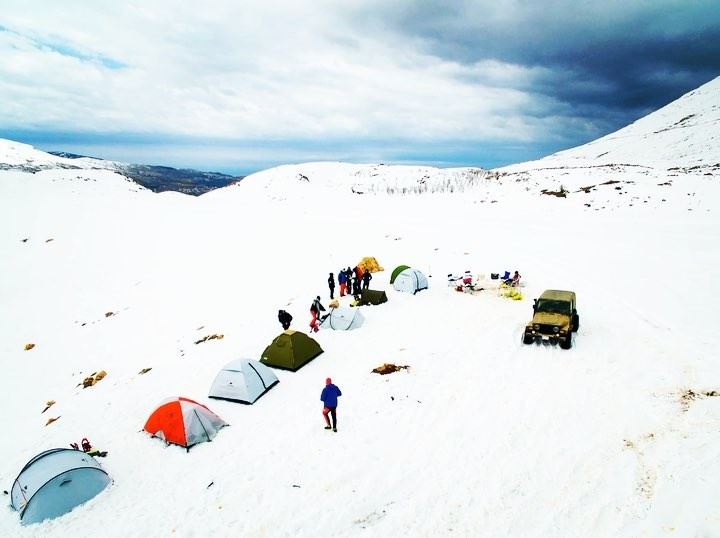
(575,322)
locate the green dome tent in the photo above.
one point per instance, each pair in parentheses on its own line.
(399,269)
(290,350)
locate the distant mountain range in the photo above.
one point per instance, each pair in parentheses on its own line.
(164,178)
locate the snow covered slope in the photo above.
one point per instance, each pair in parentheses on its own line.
(684,134)
(23,157)
(676,148)
(481,436)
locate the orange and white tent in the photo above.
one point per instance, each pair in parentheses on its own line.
(182,421)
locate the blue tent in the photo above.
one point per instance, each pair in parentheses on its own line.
(56,481)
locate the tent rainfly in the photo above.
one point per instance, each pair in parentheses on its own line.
(182,421)
(243,381)
(54,482)
(411,281)
(290,350)
(399,269)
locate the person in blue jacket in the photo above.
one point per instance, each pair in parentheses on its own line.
(342,281)
(329,397)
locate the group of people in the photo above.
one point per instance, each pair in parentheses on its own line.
(353,281)
(350,281)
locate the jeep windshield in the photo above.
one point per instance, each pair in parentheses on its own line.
(553,306)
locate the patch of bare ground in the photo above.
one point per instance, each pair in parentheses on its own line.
(688,396)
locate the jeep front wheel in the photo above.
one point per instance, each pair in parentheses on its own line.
(528,338)
(567,342)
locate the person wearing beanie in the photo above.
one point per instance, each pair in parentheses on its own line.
(331,285)
(366,278)
(329,398)
(284,318)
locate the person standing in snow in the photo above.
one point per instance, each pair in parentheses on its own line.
(315,308)
(366,278)
(329,397)
(342,281)
(284,318)
(331,285)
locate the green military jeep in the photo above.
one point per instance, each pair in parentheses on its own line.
(555,318)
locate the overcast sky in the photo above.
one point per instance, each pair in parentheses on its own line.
(238,85)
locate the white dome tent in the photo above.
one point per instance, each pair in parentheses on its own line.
(243,380)
(410,281)
(344,319)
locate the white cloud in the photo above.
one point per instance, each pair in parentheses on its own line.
(249,70)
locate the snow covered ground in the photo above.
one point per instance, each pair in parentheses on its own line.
(482,436)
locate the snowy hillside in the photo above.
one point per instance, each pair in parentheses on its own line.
(25,158)
(676,147)
(481,435)
(15,156)
(684,134)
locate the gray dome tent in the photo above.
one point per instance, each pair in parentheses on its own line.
(56,481)
(344,319)
(243,380)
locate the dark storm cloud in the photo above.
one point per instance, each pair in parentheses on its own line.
(610,59)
